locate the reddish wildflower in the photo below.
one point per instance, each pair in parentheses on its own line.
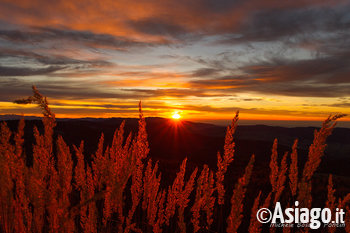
(341,205)
(316,151)
(117,143)
(178,195)
(235,218)
(197,206)
(204,199)
(40,172)
(43,163)
(110,178)
(347,220)
(142,142)
(151,183)
(121,163)
(52,203)
(157,228)
(209,205)
(254,225)
(6,191)
(293,169)
(267,201)
(281,177)
(330,203)
(90,224)
(23,213)
(227,159)
(183,199)
(174,192)
(85,185)
(274,166)
(136,192)
(40,100)
(79,169)
(344,201)
(99,164)
(139,152)
(65,169)
(107,208)
(80,181)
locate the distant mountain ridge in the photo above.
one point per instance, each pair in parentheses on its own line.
(286,135)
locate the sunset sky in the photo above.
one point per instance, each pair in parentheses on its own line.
(204,59)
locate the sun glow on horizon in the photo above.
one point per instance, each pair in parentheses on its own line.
(176,116)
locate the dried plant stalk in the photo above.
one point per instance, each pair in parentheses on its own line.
(223,163)
(293,169)
(235,218)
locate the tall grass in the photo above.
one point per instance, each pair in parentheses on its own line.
(120,190)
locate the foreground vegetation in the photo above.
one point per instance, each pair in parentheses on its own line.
(120,189)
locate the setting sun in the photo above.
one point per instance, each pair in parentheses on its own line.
(176,116)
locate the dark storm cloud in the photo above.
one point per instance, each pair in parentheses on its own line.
(318,77)
(91,38)
(53,65)
(44,34)
(50,59)
(303,90)
(16,88)
(203,72)
(323,30)
(16,71)
(284,88)
(62,60)
(318,70)
(273,24)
